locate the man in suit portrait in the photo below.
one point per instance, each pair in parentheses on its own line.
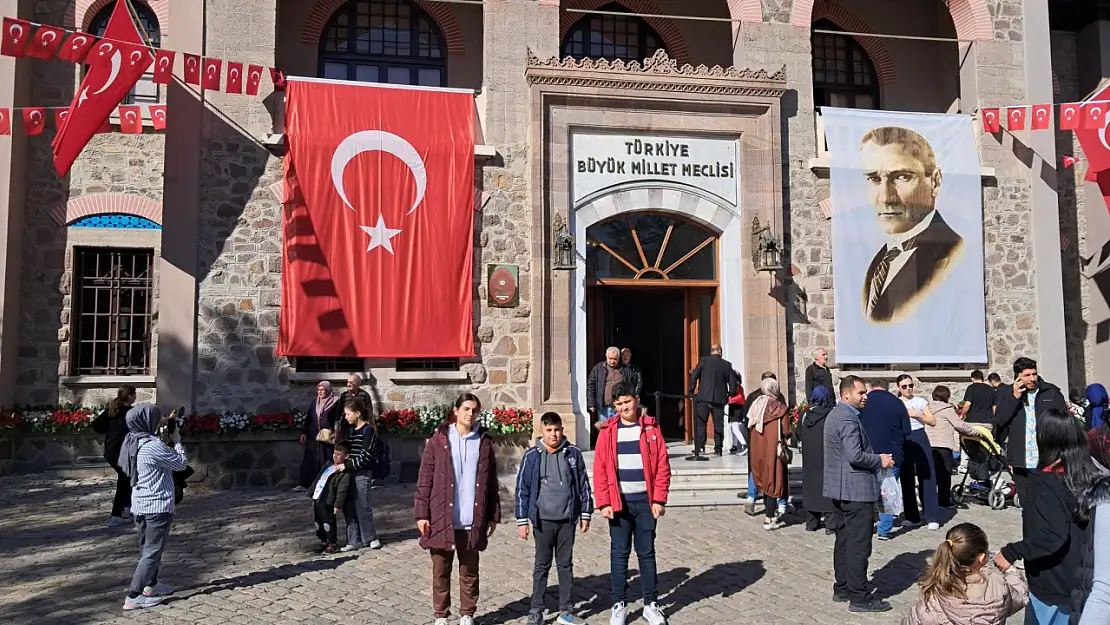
(903,184)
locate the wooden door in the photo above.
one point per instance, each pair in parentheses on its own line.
(703,330)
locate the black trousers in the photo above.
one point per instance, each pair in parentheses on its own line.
(700,430)
(943,462)
(918,472)
(1021,478)
(853,548)
(122,498)
(553,537)
(325,521)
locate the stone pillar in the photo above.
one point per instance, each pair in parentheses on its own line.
(177,281)
(1044,202)
(14,88)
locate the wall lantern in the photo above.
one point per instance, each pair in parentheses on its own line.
(766,251)
(562,246)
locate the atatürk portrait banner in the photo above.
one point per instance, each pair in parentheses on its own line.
(907,226)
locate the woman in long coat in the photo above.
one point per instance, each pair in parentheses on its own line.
(812,434)
(323,414)
(769,432)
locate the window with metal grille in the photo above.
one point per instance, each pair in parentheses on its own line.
(145,91)
(843,74)
(612,37)
(388,41)
(113,290)
(327,364)
(427,364)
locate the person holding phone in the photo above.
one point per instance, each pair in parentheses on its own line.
(1016,416)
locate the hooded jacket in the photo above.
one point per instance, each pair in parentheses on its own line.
(653,452)
(566,457)
(1095,412)
(1009,417)
(992,597)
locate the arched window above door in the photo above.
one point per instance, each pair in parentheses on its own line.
(389,41)
(650,247)
(612,37)
(146,90)
(843,74)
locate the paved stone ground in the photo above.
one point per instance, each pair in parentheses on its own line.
(244,557)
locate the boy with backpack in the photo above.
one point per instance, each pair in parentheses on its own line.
(553,495)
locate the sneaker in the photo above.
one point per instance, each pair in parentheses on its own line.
(654,614)
(871,605)
(534,618)
(743,450)
(619,615)
(375,544)
(883,536)
(330,549)
(839,598)
(349,548)
(773,524)
(934,526)
(749,507)
(466,620)
(142,601)
(910,524)
(299,489)
(118,521)
(158,590)
(569,618)
(441,621)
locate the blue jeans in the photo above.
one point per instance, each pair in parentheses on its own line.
(634,525)
(1040,613)
(154,529)
(753,490)
(886,520)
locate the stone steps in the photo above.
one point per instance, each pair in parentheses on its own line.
(81,470)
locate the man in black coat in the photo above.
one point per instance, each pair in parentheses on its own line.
(887,425)
(637,376)
(818,374)
(599,385)
(715,381)
(354,391)
(1029,397)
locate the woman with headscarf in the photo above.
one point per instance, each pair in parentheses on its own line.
(769,432)
(150,464)
(1095,413)
(322,415)
(812,435)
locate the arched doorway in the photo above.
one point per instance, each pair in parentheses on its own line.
(651,286)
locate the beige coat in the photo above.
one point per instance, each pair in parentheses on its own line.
(949,426)
(992,597)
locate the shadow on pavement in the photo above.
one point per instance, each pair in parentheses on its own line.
(898,575)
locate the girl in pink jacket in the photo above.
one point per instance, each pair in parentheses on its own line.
(959,588)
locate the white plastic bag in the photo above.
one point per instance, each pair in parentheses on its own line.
(891,491)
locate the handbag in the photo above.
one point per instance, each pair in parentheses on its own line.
(325,436)
(785,453)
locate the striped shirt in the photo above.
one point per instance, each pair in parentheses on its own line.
(153,494)
(630,464)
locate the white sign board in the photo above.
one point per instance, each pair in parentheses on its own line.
(601,161)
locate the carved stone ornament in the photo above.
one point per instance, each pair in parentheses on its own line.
(656,72)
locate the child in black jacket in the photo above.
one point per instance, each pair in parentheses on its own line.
(329,495)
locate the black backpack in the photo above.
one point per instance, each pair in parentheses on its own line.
(383,458)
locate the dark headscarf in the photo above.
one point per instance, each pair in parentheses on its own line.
(142,421)
(1094,414)
(821,398)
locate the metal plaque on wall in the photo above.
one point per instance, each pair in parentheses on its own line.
(502,286)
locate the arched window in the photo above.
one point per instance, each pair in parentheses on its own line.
(145,91)
(611,37)
(650,246)
(390,41)
(843,74)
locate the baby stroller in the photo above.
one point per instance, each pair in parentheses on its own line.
(991,478)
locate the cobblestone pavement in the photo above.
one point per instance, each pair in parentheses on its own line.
(244,557)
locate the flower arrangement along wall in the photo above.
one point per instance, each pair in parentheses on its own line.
(423,421)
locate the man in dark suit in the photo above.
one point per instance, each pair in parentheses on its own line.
(715,382)
(850,477)
(904,182)
(887,424)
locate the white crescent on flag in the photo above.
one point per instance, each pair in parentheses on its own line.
(378,140)
(16,31)
(53,35)
(78,41)
(117,58)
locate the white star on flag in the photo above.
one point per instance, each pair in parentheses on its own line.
(380,235)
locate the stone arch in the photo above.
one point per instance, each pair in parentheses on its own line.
(971,17)
(699,207)
(87,10)
(876,48)
(108,204)
(440,13)
(672,39)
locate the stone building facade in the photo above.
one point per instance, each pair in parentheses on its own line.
(203,201)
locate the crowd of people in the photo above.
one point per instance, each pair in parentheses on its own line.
(863,446)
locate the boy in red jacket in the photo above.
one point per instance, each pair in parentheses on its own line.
(632,475)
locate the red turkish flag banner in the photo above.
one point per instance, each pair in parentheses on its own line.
(34,120)
(157,116)
(115,65)
(130,120)
(1096,146)
(163,67)
(1042,117)
(16,35)
(211,79)
(234,77)
(278,78)
(1069,116)
(46,42)
(1094,115)
(254,79)
(60,116)
(76,47)
(192,69)
(5,122)
(378,221)
(1070,161)
(1015,118)
(990,120)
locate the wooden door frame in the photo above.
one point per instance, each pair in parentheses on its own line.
(692,349)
